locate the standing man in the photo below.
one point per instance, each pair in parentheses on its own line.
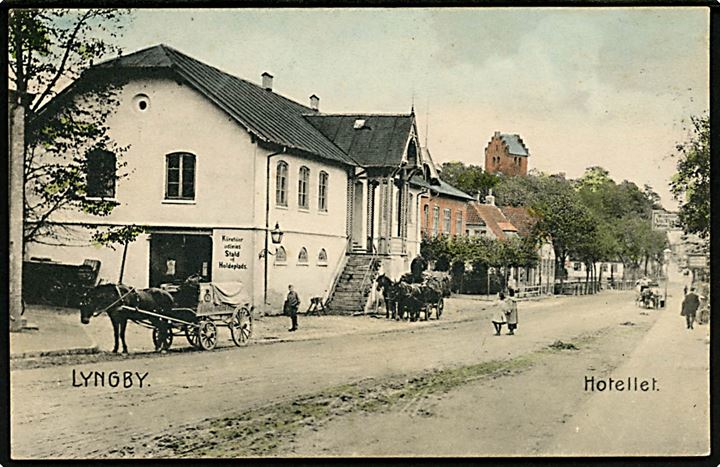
(689,307)
(292,302)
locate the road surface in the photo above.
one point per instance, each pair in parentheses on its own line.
(448,389)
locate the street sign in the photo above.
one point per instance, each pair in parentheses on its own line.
(667,221)
(697,261)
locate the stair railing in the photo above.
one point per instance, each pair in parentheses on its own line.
(337,273)
(370,268)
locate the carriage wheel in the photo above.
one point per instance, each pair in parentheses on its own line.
(192,336)
(207,334)
(241,326)
(162,337)
(439,308)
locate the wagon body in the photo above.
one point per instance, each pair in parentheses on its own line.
(198,315)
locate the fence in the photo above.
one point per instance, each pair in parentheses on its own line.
(577,288)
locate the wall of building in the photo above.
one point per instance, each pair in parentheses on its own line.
(442,202)
(229,204)
(577,270)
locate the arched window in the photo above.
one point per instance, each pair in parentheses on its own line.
(180,179)
(322,257)
(101,174)
(323,191)
(280,255)
(303,185)
(412,154)
(303,256)
(281,181)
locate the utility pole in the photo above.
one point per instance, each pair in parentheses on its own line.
(16,167)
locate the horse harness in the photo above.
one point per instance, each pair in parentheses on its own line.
(120,299)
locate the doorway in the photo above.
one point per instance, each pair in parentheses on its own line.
(175,257)
(357,216)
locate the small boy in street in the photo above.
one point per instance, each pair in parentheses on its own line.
(499,316)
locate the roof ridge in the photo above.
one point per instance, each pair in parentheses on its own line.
(356,114)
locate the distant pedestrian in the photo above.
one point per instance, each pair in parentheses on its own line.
(511,313)
(689,307)
(292,303)
(499,316)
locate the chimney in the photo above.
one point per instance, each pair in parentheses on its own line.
(267,81)
(314,102)
(490,199)
(477,196)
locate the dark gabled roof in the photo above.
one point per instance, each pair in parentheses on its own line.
(269,116)
(515,144)
(443,188)
(380,142)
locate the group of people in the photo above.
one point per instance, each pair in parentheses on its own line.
(506,313)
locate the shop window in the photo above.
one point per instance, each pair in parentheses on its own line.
(303,256)
(322,257)
(101,174)
(281,181)
(303,183)
(180,176)
(280,255)
(323,191)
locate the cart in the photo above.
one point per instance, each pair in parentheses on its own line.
(202,308)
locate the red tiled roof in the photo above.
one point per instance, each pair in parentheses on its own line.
(491,215)
(520,218)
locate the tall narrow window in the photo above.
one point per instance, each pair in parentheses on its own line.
(281,181)
(101,168)
(303,182)
(436,220)
(459,223)
(426,213)
(180,176)
(323,192)
(410,208)
(447,219)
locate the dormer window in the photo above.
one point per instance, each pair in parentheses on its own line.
(359,123)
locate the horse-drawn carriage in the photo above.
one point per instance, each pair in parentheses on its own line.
(193,309)
(416,292)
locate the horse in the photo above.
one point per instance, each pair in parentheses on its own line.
(111,298)
(389,293)
(411,298)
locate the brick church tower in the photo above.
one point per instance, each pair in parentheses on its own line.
(506,154)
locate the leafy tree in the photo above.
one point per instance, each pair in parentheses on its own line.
(47,49)
(691,183)
(471,179)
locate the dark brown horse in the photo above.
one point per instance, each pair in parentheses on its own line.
(110,298)
(387,287)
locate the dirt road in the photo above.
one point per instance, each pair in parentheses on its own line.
(287,398)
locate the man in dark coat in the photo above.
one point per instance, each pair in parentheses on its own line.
(292,302)
(689,307)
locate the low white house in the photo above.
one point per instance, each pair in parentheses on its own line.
(216,162)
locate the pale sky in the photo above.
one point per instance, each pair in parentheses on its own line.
(582,87)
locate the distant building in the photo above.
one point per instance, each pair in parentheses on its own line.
(487,220)
(506,154)
(443,208)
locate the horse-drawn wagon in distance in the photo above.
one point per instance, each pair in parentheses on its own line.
(649,294)
(193,309)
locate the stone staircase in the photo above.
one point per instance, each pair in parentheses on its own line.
(354,285)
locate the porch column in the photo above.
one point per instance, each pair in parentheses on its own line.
(371,214)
